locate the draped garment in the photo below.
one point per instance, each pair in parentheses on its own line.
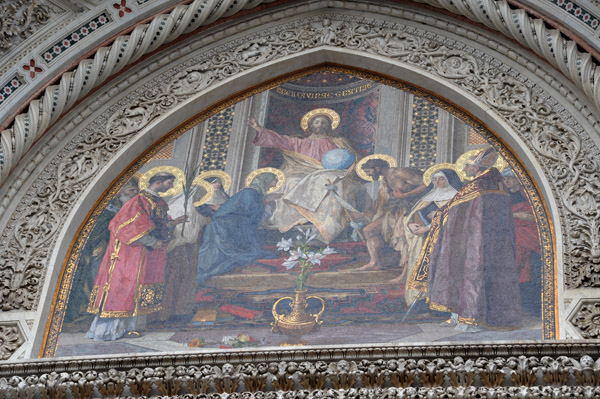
(469,256)
(131,275)
(231,238)
(306,191)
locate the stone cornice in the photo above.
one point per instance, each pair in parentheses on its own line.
(458,371)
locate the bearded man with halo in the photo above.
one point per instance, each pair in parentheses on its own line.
(305,196)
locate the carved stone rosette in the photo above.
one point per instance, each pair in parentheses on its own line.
(587,318)
(10,340)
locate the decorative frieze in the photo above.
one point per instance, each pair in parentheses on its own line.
(471,371)
(8,90)
(70,40)
(498,15)
(578,12)
(587,318)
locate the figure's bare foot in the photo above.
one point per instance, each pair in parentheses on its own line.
(369,266)
(398,280)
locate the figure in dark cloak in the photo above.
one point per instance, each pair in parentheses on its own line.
(231,239)
(470,253)
(445,184)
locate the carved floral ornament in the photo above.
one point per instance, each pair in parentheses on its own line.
(550,131)
(370,373)
(10,340)
(19,20)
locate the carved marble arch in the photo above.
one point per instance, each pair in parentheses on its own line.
(524,111)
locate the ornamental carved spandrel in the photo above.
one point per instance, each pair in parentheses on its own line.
(10,340)
(516,377)
(19,19)
(586,318)
(558,142)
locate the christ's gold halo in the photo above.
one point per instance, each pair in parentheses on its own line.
(361,172)
(431,171)
(174,170)
(459,165)
(210,191)
(221,174)
(334,117)
(278,174)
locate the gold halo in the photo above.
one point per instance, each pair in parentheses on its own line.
(221,174)
(210,191)
(174,170)
(435,168)
(459,165)
(278,173)
(359,167)
(334,116)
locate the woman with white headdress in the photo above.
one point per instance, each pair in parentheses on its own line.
(443,184)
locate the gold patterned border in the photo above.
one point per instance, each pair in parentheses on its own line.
(545,226)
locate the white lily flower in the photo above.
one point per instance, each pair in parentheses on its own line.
(315,258)
(289,264)
(302,254)
(296,254)
(284,245)
(329,251)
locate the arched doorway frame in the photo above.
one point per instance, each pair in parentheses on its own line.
(251,77)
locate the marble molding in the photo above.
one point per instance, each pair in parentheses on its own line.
(554,370)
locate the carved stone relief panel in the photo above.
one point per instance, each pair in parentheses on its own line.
(552,133)
(10,339)
(586,318)
(21,19)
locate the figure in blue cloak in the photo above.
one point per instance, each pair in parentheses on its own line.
(231,239)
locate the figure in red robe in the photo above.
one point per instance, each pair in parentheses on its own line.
(470,255)
(129,283)
(529,262)
(305,195)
